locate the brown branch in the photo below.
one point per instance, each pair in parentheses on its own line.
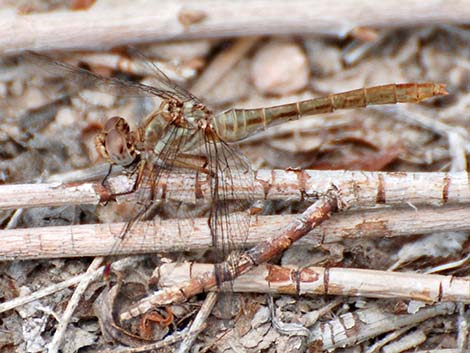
(106,27)
(262,252)
(186,235)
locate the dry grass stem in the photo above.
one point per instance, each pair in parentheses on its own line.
(371,322)
(106,27)
(221,65)
(316,214)
(72,305)
(330,281)
(185,235)
(198,323)
(358,189)
(46,291)
(160,345)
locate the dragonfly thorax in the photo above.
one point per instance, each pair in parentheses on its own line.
(187,115)
(176,123)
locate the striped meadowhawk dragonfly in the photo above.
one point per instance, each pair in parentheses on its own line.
(182,135)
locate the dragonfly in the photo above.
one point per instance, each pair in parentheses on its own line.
(183,135)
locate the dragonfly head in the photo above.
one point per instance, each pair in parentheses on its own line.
(116,142)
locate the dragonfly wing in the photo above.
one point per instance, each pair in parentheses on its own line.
(164,81)
(231,187)
(151,172)
(79,78)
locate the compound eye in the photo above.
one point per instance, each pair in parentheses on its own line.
(111,123)
(116,146)
(114,142)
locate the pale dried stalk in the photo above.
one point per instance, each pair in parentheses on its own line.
(462,326)
(72,305)
(392,336)
(44,195)
(261,253)
(44,292)
(352,328)
(177,73)
(106,27)
(185,235)
(330,281)
(414,117)
(198,323)
(409,341)
(358,189)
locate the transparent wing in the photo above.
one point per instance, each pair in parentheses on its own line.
(80,78)
(152,171)
(231,184)
(230,179)
(162,78)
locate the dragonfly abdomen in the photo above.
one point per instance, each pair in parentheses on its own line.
(237,124)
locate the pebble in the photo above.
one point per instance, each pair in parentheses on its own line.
(280,68)
(325,59)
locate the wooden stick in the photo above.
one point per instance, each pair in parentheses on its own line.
(268,278)
(353,327)
(72,305)
(53,194)
(198,323)
(187,235)
(358,189)
(228,271)
(105,27)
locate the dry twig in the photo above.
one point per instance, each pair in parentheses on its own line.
(102,27)
(353,328)
(44,292)
(221,65)
(198,323)
(184,235)
(330,281)
(358,189)
(72,305)
(311,218)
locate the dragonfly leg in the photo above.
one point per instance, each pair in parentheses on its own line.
(140,170)
(192,162)
(106,178)
(107,175)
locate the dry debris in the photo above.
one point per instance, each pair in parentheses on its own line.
(44,132)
